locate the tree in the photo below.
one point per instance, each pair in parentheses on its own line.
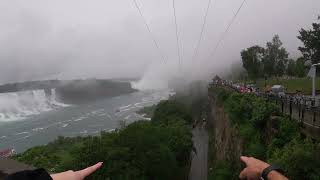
(299,158)
(311,43)
(291,70)
(275,58)
(300,68)
(251,61)
(280,67)
(139,151)
(169,110)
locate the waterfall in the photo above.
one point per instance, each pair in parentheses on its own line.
(19,105)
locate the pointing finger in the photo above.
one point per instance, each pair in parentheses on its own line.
(89,170)
(245,159)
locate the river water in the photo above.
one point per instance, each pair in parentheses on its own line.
(76,120)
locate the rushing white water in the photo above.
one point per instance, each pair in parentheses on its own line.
(19,105)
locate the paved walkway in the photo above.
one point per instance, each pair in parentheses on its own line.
(199,165)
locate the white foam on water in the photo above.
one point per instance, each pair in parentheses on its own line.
(22,133)
(25,137)
(19,105)
(38,129)
(96,112)
(54,99)
(95,132)
(83,132)
(101,115)
(125,107)
(111,130)
(80,119)
(65,125)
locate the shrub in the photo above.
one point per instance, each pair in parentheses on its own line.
(300,159)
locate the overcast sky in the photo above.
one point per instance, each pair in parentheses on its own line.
(43,39)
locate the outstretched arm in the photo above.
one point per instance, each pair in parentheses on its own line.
(254,169)
(42,174)
(76,175)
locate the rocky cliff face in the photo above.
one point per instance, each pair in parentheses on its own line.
(227,145)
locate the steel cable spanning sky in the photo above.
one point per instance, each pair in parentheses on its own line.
(226,31)
(149,30)
(195,53)
(177,34)
(221,38)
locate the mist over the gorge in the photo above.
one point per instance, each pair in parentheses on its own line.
(42,39)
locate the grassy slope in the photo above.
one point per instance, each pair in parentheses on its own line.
(292,85)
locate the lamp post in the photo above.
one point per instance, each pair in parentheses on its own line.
(313,73)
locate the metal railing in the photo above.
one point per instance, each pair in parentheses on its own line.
(304,109)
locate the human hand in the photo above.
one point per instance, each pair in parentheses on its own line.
(76,175)
(254,168)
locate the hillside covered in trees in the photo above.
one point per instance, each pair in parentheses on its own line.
(156,149)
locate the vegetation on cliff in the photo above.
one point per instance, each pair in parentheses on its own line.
(156,149)
(266,134)
(147,111)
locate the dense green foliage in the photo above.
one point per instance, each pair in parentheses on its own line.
(221,171)
(252,61)
(269,61)
(311,43)
(171,110)
(139,151)
(300,69)
(158,150)
(147,111)
(273,59)
(55,157)
(283,145)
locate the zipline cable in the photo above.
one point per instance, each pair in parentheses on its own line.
(149,30)
(226,31)
(177,34)
(195,53)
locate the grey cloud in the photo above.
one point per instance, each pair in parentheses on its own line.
(41,39)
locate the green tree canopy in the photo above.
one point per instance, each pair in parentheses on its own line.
(311,43)
(251,61)
(171,110)
(276,57)
(291,70)
(300,67)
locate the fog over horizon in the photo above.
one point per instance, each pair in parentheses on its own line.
(46,39)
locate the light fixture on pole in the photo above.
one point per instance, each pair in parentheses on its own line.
(313,73)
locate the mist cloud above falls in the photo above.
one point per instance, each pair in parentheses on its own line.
(43,39)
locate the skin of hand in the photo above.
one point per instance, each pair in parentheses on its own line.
(254,170)
(76,175)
